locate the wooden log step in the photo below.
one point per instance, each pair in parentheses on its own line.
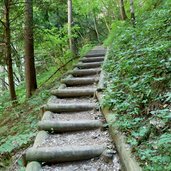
(95,54)
(95,59)
(85,72)
(64,154)
(79,81)
(74,92)
(67,126)
(69,107)
(88,65)
(36,166)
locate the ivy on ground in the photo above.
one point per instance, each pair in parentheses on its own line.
(138,83)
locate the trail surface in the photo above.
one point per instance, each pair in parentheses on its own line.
(72,135)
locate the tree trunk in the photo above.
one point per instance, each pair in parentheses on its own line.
(30,71)
(132,12)
(95,26)
(106,23)
(18,62)
(71,41)
(8,52)
(3,83)
(122,10)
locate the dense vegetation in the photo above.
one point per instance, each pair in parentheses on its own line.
(138,69)
(51,51)
(139,82)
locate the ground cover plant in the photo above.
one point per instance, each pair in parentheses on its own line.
(138,84)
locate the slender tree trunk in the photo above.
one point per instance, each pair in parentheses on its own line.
(95,27)
(110,9)
(30,71)
(71,40)
(107,25)
(108,17)
(20,68)
(18,63)
(8,51)
(132,12)
(3,84)
(122,10)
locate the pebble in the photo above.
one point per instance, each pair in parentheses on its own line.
(86,167)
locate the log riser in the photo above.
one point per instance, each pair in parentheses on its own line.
(54,155)
(98,59)
(68,126)
(85,72)
(70,107)
(73,93)
(79,82)
(88,66)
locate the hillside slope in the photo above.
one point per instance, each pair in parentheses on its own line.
(138,83)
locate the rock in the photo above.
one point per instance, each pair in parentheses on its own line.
(107,155)
(87,167)
(95,136)
(109,146)
(105,127)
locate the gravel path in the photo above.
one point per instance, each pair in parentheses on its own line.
(93,137)
(96,164)
(108,161)
(77,116)
(72,100)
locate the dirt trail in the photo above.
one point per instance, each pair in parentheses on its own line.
(91,136)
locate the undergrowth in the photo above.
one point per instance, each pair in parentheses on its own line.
(138,83)
(18,123)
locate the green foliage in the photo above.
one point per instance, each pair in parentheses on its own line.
(51,51)
(19,124)
(86,12)
(85,49)
(138,83)
(14,142)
